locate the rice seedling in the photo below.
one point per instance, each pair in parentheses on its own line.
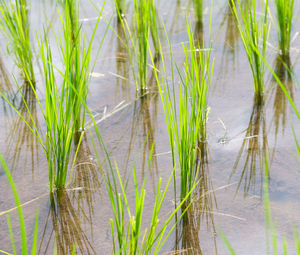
(127,232)
(254,33)
(58,118)
(63,111)
(129,237)
(284,10)
(142,31)
(15,26)
(23,235)
(187,124)
(76,58)
(145,23)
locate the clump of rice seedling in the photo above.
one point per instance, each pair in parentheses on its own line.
(145,23)
(197,79)
(284,10)
(127,232)
(58,117)
(77,58)
(142,31)
(254,33)
(187,125)
(61,110)
(15,26)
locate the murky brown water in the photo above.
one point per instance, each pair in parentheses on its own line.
(233,159)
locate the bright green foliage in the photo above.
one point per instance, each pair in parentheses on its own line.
(15,26)
(284,18)
(187,125)
(254,33)
(198,74)
(127,232)
(58,117)
(142,32)
(145,23)
(64,111)
(76,58)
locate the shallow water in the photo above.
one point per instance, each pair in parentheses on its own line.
(231,189)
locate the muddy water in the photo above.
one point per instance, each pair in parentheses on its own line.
(230,193)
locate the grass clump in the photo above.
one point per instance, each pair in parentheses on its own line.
(15,26)
(144,32)
(63,112)
(127,230)
(186,115)
(58,118)
(254,33)
(284,10)
(76,58)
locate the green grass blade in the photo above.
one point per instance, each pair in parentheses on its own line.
(18,203)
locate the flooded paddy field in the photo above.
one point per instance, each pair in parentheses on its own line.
(239,134)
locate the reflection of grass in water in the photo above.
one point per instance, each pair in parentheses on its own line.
(20,137)
(146,120)
(230,46)
(272,242)
(200,211)
(252,151)
(15,26)
(5,83)
(254,33)
(122,64)
(280,106)
(66,226)
(86,178)
(143,120)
